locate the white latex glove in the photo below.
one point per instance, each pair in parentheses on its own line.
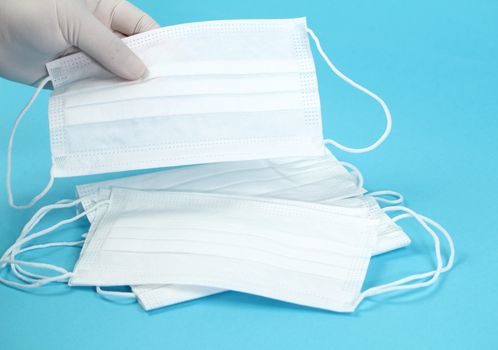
(34,32)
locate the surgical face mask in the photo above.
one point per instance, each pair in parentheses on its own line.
(215,91)
(322,179)
(254,245)
(313,179)
(389,237)
(156,296)
(318,180)
(303,253)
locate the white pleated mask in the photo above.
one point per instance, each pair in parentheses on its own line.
(304,253)
(317,180)
(150,297)
(322,179)
(215,91)
(389,237)
(313,179)
(312,254)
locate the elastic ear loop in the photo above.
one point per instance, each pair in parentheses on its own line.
(379,197)
(387,130)
(31,277)
(356,172)
(39,215)
(42,212)
(28,276)
(19,118)
(110,293)
(402,284)
(9,256)
(25,234)
(43,279)
(64,275)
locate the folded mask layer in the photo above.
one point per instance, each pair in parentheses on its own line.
(312,179)
(305,253)
(318,180)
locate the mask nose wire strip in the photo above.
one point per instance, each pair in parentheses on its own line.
(402,284)
(387,112)
(18,120)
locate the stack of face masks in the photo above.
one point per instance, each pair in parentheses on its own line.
(271,212)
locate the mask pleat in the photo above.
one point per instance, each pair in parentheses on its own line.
(217,91)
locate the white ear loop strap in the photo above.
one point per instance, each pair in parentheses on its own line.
(441,229)
(39,215)
(64,274)
(29,237)
(356,172)
(28,276)
(110,293)
(379,196)
(403,283)
(9,256)
(19,118)
(387,130)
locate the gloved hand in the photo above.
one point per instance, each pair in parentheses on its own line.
(34,32)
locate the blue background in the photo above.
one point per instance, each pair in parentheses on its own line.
(435,63)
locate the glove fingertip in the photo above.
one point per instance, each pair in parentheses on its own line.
(146,23)
(133,68)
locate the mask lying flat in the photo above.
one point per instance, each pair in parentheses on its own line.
(150,297)
(318,180)
(313,179)
(230,242)
(153,297)
(322,179)
(215,91)
(248,244)
(389,237)
(310,254)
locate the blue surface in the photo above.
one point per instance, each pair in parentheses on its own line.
(435,63)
